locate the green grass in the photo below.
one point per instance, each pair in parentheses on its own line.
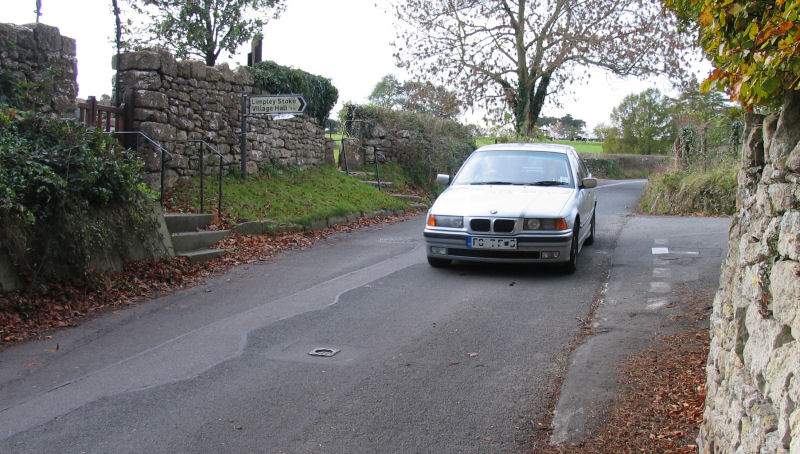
(581,147)
(291,195)
(692,191)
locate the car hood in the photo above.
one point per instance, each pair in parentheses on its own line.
(507,200)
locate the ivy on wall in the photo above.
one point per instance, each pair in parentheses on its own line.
(320,94)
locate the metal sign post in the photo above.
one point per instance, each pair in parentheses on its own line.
(267,105)
(244,136)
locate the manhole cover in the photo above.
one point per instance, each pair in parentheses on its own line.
(324,351)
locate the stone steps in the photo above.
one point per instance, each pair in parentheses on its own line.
(383,184)
(191,242)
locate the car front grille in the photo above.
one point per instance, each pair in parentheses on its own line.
(480,225)
(504,225)
(485,225)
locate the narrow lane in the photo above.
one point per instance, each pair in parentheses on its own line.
(431,360)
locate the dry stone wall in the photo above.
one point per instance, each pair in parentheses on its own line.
(38,55)
(179,101)
(753,381)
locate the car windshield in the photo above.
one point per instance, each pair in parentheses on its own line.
(517,167)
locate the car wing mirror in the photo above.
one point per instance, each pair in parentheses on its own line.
(443,179)
(589,183)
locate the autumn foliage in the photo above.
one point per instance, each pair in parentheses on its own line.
(753,45)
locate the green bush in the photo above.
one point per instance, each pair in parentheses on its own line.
(65,194)
(320,94)
(436,144)
(692,191)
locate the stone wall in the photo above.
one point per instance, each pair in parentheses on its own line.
(753,382)
(37,54)
(391,145)
(187,100)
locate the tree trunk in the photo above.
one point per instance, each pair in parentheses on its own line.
(528,105)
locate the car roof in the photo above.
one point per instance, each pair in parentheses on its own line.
(553,147)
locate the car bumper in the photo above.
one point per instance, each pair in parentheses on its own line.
(530,248)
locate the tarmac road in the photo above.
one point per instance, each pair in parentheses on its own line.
(429,360)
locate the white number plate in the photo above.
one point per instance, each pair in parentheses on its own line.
(491,243)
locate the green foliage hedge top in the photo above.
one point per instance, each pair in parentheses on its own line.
(753,44)
(318,91)
(55,177)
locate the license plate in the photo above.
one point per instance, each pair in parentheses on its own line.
(491,243)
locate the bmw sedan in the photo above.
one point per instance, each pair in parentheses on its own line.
(514,203)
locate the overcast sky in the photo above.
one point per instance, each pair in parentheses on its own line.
(347,41)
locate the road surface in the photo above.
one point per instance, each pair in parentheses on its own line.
(461,359)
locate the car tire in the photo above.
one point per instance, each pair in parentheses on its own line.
(590,239)
(571,265)
(438,263)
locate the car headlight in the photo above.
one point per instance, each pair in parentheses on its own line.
(544,224)
(438,220)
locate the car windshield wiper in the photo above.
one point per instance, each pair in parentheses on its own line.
(492,182)
(548,183)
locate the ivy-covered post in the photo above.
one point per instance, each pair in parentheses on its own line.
(244,136)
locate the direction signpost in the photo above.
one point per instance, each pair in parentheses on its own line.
(277,104)
(267,105)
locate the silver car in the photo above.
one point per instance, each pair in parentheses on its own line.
(514,203)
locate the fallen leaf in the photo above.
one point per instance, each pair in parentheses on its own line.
(454,363)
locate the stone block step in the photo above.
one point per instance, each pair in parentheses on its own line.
(408,197)
(202,255)
(179,222)
(384,184)
(265,226)
(360,174)
(191,241)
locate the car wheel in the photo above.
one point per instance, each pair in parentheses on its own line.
(572,264)
(590,239)
(438,263)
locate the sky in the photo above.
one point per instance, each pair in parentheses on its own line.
(347,41)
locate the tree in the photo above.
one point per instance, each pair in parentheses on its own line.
(698,108)
(602,130)
(388,92)
(202,28)
(644,121)
(431,99)
(754,46)
(512,54)
(423,97)
(574,127)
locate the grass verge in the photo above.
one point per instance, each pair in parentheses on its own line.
(284,195)
(692,191)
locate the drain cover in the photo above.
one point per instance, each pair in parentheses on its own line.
(324,351)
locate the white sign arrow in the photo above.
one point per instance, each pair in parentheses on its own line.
(277,104)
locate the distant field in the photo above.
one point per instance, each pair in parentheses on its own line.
(581,147)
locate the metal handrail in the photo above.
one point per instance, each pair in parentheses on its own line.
(163,151)
(204,144)
(375,154)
